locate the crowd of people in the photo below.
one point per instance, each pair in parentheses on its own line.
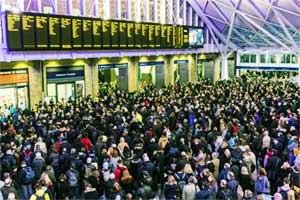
(233,139)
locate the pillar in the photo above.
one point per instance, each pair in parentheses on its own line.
(35,86)
(70,7)
(224,64)
(169,75)
(192,69)
(95,77)
(96,8)
(82,7)
(133,74)
(217,63)
(88,74)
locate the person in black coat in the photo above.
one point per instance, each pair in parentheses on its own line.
(170,188)
(273,167)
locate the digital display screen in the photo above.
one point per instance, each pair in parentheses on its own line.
(66,32)
(164,30)
(138,35)
(97,33)
(41,27)
(33,31)
(87,29)
(123,34)
(13,26)
(195,37)
(77,32)
(157,35)
(145,35)
(54,32)
(130,34)
(151,35)
(28,31)
(114,34)
(106,33)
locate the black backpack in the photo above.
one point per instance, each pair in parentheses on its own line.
(40,197)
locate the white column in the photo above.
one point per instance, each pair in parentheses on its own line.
(137,10)
(82,7)
(162,11)
(70,7)
(190,12)
(106,11)
(54,5)
(118,8)
(184,13)
(196,19)
(39,5)
(146,11)
(96,8)
(20,5)
(224,67)
(177,11)
(170,11)
(155,11)
(128,9)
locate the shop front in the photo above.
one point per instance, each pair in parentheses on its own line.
(65,83)
(181,71)
(152,73)
(14,88)
(115,75)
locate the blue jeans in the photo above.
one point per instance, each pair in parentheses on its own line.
(27,191)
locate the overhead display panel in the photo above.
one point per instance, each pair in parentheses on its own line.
(41,28)
(28,31)
(54,32)
(66,32)
(38,32)
(87,28)
(77,32)
(13,27)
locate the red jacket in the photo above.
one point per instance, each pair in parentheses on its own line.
(87,143)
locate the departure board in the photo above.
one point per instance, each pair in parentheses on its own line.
(130,34)
(137,35)
(106,33)
(87,33)
(151,37)
(41,28)
(164,30)
(145,35)
(169,43)
(185,37)
(158,36)
(66,32)
(28,26)
(13,27)
(54,32)
(123,34)
(114,28)
(97,33)
(35,31)
(77,32)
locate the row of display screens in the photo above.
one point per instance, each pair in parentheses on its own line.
(32,31)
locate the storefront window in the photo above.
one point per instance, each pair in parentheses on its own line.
(294,59)
(272,59)
(244,58)
(262,58)
(252,58)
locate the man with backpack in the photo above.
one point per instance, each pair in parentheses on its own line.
(8,161)
(181,178)
(73,177)
(224,192)
(26,177)
(40,194)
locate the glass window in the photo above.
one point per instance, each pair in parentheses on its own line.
(272,59)
(262,58)
(51,89)
(252,58)
(288,58)
(282,58)
(294,59)
(244,58)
